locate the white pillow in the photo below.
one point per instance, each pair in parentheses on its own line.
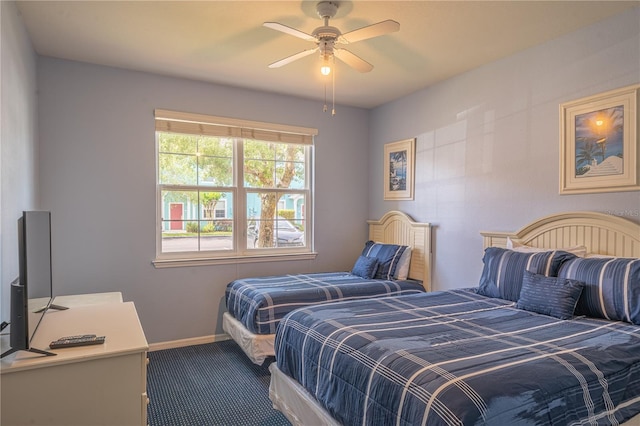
(402,271)
(599,256)
(580,251)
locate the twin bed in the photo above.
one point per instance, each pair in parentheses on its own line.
(546,336)
(398,263)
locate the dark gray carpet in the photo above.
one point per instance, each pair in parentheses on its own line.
(211,384)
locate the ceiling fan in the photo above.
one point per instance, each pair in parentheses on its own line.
(327,37)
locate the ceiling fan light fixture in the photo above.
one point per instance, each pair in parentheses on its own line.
(325,68)
(326,37)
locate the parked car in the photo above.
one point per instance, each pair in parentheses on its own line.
(284,233)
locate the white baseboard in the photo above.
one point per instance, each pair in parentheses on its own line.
(188,342)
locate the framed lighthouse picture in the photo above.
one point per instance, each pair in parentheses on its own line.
(399,170)
(599,143)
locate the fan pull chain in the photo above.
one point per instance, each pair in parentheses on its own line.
(324,109)
(333,95)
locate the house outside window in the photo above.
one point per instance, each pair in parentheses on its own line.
(231,190)
(221,211)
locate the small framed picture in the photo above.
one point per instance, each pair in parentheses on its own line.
(599,143)
(399,170)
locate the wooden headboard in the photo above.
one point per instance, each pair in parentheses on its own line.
(600,233)
(397,228)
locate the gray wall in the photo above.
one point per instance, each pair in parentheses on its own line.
(97,170)
(488,142)
(18,148)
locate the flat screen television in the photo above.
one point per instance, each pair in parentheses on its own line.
(32,291)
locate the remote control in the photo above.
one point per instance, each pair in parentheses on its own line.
(77,341)
(80,336)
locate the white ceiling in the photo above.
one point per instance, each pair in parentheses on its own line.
(225,41)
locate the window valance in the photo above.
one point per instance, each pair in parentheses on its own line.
(199,124)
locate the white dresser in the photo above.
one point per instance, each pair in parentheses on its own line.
(89,385)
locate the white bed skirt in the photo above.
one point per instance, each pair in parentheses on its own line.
(257,346)
(292,400)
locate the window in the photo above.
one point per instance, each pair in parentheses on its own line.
(231,190)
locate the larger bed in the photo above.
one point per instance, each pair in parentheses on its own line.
(255,306)
(510,351)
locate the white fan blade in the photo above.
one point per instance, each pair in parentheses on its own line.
(375,30)
(288,30)
(292,58)
(353,60)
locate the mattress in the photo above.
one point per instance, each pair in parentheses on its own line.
(260,303)
(456,357)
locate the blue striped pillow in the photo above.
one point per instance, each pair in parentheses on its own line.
(365,267)
(612,287)
(388,256)
(552,296)
(504,270)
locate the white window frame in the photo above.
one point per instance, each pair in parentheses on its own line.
(180,122)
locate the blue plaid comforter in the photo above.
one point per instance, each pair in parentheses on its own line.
(458,358)
(260,303)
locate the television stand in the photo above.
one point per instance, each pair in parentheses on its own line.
(34,350)
(86,385)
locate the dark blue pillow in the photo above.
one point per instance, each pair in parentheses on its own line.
(388,256)
(556,297)
(504,269)
(365,267)
(611,287)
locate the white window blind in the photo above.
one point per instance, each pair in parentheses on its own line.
(199,124)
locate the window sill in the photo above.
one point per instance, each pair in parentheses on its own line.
(178,263)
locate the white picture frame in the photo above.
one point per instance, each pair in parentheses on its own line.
(399,160)
(599,143)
